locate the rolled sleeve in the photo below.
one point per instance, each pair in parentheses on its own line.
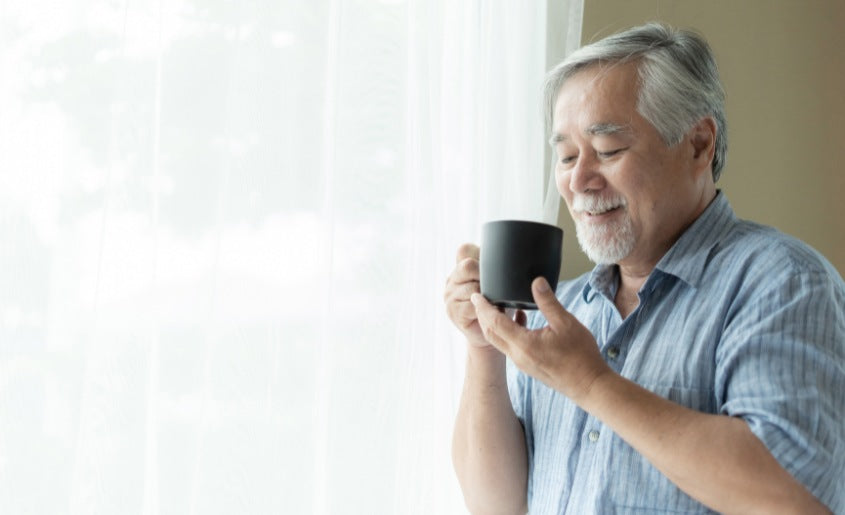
(780,368)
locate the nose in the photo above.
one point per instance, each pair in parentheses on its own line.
(585,175)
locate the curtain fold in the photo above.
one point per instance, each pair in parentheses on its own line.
(226,228)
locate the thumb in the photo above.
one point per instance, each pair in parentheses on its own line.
(548,304)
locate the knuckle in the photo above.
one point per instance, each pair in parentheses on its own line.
(489,331)
(494,325)
(468,266)
(467,250)
(459,312)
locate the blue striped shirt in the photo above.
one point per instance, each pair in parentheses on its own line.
(736,319)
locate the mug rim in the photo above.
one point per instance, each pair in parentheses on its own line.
(527,222)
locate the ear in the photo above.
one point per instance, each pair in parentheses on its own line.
(702,138)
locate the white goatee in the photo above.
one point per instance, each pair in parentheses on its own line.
(606,243)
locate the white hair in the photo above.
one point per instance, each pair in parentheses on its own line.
(679,81)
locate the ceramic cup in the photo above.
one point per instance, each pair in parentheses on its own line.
(513,254)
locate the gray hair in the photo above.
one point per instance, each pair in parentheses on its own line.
(678,76)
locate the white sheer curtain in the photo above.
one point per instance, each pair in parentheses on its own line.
(224,232)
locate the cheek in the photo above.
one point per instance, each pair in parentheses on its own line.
(645,216)
(562,183)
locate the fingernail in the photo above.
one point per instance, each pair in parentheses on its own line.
(475,298)
(542,285)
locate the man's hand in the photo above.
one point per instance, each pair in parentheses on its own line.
(463,282)
(460,286)
(563,355)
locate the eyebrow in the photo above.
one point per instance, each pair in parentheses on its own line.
(597,129)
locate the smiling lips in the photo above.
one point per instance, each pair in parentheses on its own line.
(596,207)
(598,213)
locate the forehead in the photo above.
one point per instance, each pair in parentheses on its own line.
(597,94)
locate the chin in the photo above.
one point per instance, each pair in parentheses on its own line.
(606,245)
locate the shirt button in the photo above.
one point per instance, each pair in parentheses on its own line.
(593,436)
(612,352)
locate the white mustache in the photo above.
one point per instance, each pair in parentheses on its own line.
(588,204)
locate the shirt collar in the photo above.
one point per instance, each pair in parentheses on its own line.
(689,255)
(686,259)
(602,280)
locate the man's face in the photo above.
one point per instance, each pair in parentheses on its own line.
(629,194)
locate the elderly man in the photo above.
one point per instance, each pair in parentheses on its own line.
(700,366)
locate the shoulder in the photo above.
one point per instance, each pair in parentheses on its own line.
(761,255)
(766,282)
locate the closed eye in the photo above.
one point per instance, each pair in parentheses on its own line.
(611,153)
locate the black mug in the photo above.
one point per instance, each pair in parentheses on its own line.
(513,254)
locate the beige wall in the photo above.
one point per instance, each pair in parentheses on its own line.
(782,65)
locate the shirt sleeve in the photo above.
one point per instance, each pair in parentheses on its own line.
(781,367)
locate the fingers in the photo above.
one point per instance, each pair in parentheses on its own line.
(468,250)
(487,315)
(548,304)
(466,270)
(462,292)
(458,305)
(462,283)
(497,326)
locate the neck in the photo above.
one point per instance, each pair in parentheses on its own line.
(630,282)
(635,269)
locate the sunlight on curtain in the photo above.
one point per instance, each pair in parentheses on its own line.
(225,232)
